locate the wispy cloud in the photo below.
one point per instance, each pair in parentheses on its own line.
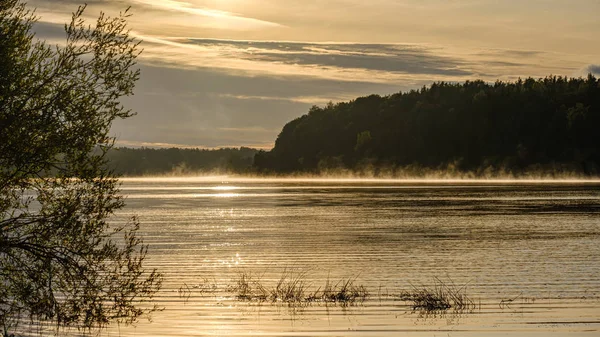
(220,19)
(312,100)
(249,130)
(169,27)
(395,58)
(377,63)
(342,62)
(164,16)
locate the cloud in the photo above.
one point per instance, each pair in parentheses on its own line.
(233,89)
(313,100)
(209,108)
(75,3)
(395,58)
(378,63)
(180,21)
(164,16)
(510,53)
(226,19)
(49,32)
(593,69)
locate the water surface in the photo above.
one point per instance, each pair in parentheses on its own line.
(536,243)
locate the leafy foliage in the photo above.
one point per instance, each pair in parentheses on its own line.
(60,258)
(506,126)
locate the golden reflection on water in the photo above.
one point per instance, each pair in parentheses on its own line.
(224,188)
(503,238)
(233,261)
(222,195)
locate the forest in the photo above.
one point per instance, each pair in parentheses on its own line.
(549,124)
(149,161)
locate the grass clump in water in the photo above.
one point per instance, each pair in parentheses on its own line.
(293,288)
(344,291)
(247,287)
(440,296)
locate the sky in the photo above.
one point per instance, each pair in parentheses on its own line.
(230,73)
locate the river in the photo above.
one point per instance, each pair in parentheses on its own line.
(527,254)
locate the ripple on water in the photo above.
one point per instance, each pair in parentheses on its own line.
(533,243)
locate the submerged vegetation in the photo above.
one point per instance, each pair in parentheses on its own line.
(547,125)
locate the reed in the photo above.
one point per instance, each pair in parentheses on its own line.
(441,296)
(248,287)
(293,288)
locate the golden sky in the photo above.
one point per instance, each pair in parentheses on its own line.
(233,72)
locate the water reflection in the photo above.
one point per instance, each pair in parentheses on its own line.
(541,240)
(224,188)
(222,195)
(445,317)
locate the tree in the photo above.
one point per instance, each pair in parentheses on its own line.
(545,124)
(61,258)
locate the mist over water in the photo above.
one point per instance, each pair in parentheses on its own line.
(535,242)
(434,177)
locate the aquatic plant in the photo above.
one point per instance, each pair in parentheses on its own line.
(205,285)
(344,291)
(247,287)
(293,288)
(440,296)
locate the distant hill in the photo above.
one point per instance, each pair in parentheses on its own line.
(149,161)
(546,124)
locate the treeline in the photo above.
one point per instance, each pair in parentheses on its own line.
(546,124)
(148,161)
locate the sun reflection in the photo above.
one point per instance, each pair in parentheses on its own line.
(233,261)
(224,188)
(226,195)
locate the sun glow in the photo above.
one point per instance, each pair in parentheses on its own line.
(226,20)
(224,188)
(225,195)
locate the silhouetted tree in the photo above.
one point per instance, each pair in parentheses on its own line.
(475,125)
(61,260)
(149,161)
